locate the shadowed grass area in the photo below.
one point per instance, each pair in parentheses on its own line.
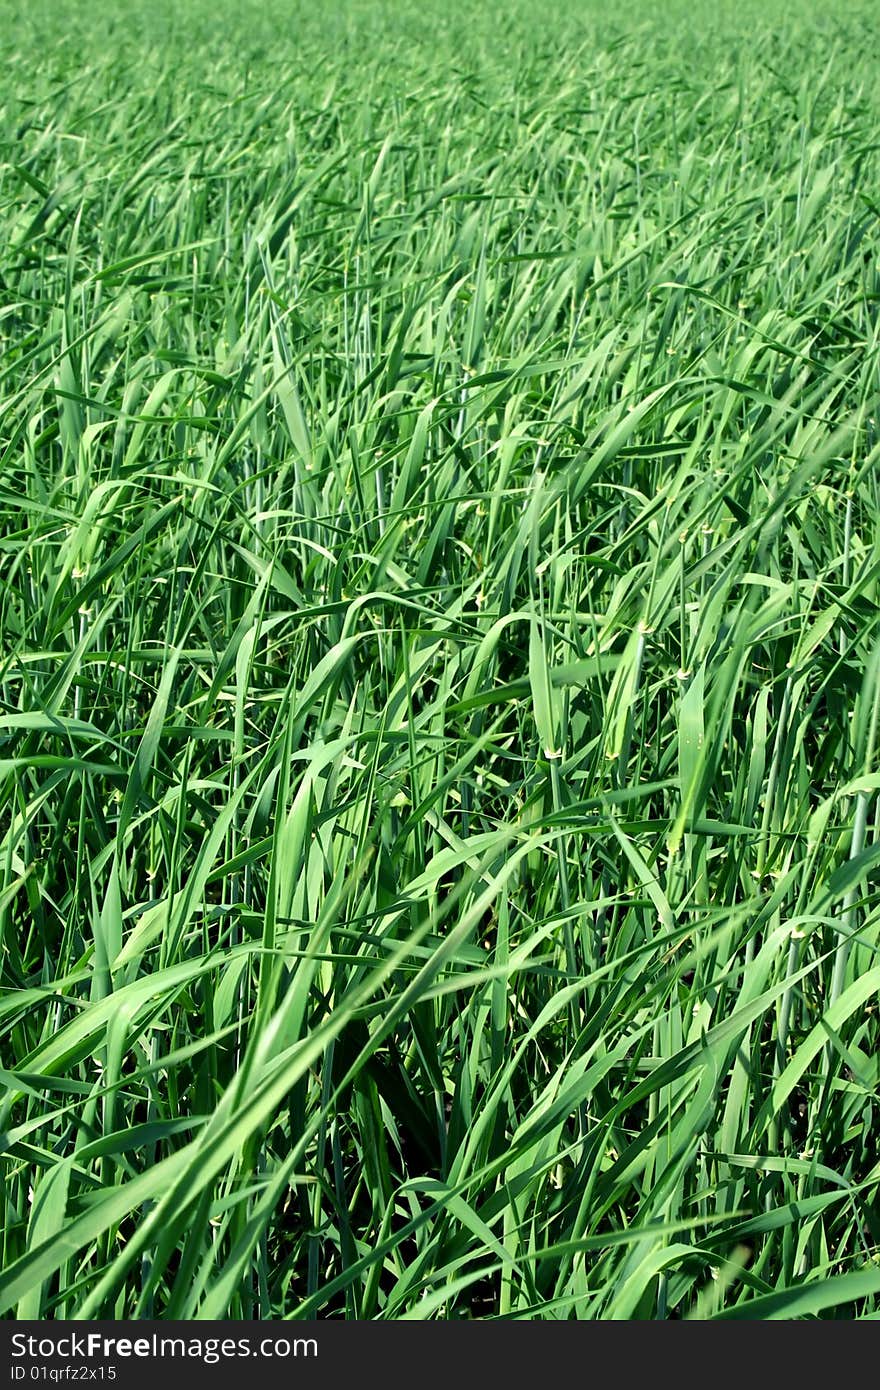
(440,664)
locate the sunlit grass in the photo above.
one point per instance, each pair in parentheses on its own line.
(440,670)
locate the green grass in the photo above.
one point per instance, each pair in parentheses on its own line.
(440,662)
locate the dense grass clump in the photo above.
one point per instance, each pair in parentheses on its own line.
(440,662)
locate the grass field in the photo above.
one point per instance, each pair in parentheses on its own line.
(440,663)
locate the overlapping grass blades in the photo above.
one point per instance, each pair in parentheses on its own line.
(440,661)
